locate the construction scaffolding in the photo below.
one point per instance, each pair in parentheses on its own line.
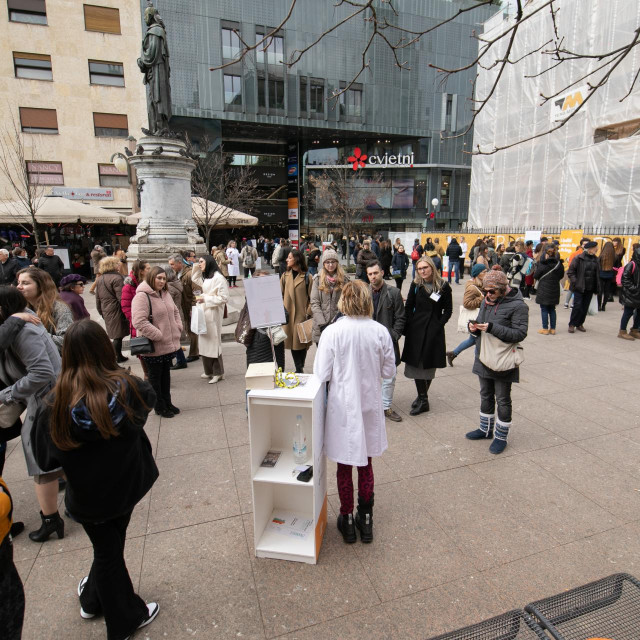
(586,173)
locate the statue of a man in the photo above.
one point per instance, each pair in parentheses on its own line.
(154,63)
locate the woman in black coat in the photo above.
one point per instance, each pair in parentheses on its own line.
(92,425)
(428,309)
(548,275)
(399,266)
(385,258)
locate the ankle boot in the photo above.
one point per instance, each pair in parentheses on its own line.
(624,335)
(364,519)
(422,401)
(50,524)
(499,443)
(487,421)
(635,333)
(347,528)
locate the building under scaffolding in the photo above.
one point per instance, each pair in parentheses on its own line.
(587,173)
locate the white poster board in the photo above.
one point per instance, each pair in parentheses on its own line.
(264,301)
(63,254)
(533,235)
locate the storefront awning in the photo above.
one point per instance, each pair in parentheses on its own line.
(53,209)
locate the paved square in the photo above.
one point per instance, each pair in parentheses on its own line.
(460,535)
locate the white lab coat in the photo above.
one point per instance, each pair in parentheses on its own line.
(354,354)
(234,267)
(215,293)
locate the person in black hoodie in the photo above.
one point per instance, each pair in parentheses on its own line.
(92,425)
(630,298)
(549,272)
(583,276)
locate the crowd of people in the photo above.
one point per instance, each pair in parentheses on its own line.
(83,413)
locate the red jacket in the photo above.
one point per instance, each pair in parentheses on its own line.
(128,292)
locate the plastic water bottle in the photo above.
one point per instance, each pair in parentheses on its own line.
(299,442)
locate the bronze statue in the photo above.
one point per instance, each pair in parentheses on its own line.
(154,63)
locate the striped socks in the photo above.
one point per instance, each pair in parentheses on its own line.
(499,443)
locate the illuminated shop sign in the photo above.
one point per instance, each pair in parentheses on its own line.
(359,160)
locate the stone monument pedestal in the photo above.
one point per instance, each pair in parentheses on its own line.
(166,224)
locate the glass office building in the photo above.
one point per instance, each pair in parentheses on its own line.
(284,122)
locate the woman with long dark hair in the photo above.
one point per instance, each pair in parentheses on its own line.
(29,368)
(153,301)
(92,425)
(607,275)
(215,294)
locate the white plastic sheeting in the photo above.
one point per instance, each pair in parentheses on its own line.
(561,179)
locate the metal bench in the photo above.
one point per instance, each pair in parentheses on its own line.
(514,625)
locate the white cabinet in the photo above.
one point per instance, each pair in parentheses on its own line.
(277,495)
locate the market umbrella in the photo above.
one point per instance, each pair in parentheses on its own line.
(56,209)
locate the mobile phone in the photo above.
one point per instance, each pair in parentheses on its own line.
(305,476)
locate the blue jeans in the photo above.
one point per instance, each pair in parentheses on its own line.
(627,314)
(313,270)
(388,385)
(465,344)
(454,264)
(548,315)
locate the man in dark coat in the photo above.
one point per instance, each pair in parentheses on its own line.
(583,275)
(52,264)
(454,253)
(8,267)
(182,264)
(388,310)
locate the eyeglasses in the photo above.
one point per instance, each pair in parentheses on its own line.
(330,262)
(492,291)
(424,268)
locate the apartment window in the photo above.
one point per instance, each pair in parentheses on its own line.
(110,125)
(303,96)
(30,11)
(232,89)
(109,176)
(230,44)
(103,19)
(38,120)
(34,66)
(316,96)
(276,93)
(351,103)
(106,73)
(445,189)
(272,47)
(45,173)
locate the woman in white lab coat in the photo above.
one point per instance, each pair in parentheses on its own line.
(354,354)
(234,265)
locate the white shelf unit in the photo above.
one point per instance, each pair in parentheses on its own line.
(272,418)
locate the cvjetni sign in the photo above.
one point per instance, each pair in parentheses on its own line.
(359,160)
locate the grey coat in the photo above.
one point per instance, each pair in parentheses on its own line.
(30,368)
(391,314)
(508,321)
(324,306)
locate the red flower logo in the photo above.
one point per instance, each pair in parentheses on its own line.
(357,159)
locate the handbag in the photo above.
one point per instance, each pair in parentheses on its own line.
(244,333)
(304,330)
(278,335)
(464,317)
(198,323)
(140,345)
(10,413)
(498,355)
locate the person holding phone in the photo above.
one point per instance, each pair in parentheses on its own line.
(505,315)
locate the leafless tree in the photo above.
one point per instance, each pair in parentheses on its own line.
(334,201)
(494,54)
(25,191)
(221,188)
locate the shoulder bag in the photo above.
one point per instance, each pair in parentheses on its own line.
(140,345)
(465,316)
(9,414)
(244,333)
(498,355)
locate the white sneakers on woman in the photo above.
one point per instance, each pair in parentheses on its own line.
(216,379)
(205,376)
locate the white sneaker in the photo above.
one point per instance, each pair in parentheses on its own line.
(153,608)
(205,376)
(83,613)
(215,379)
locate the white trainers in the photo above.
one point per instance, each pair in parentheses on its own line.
(153,608)
(215,379)
(205,376)
(83,613)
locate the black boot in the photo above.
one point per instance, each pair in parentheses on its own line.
(347,528)
(416,402)
(50,524)
(364,519)
(422,405)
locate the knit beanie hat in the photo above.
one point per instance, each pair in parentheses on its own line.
(495,280)
(477,269)
(329,254)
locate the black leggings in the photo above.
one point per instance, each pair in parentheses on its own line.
(117,345)
(159,372)
(399,282)
(232,280)
(299,356)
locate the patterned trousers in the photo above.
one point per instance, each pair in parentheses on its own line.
(345,485)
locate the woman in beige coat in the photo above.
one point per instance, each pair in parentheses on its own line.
(222,260)
(296,294)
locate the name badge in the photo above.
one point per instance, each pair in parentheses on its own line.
(435,296)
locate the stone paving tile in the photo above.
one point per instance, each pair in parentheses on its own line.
(295,594)
(53,609)
(24,568)
(152,429)
(478,517)
(25,509)
(618,450)
(610,488)
(192,431)
(202,578)
(199,395)
(192,489)
(236,424)
(15,467)
(410,551)
(232,390)
(560,512)
(242,474)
